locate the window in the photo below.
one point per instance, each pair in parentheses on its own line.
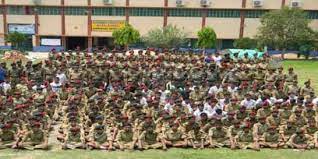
(49,10)
(254,13)
(108,11)
(75,11)
(20,10)
(224,13)
(312,14)
(146,12)
(185,12)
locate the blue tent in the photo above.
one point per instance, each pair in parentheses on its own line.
(242,52)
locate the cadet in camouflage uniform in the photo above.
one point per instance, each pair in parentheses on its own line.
(299,140)
(150,139)
(175,137)
(100,138)
(218,136)
(36,138)
(8,136)
(126,138)
(245,138)
(272,139)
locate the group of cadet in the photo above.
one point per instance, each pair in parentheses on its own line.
(155,101)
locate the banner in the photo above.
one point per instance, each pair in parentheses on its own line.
(22,28)
(107,25)
(50,42)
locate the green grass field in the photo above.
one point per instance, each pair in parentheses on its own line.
(304,69)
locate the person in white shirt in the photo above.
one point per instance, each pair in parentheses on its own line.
(62,77)
(232,89)
(214,90)
(210,106)
(56,85)
(199,110)
(248,102)
(217,59)
(5,86)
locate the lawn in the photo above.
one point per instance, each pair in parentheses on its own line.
(304,69)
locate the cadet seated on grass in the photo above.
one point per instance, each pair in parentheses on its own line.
(8,136)
(100,138)
(149,139)
(36,138)
(175,137)
(126,138)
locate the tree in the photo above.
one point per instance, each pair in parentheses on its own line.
(126,35)
(206,38)
(284,29)
(245,43)
(16,39)
(166,37)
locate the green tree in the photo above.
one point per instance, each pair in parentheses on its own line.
(284,29)
(206,38)
(16,39)
(126,35)
(245,43)
(166,37)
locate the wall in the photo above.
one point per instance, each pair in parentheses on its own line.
(20,19)
(225,28)
(51,2)
(20,2)
(75,2)
(191,25)
(50,25)
(251,25)
(146,3)
(106,34)
(115,3)
(314,25)
(214,3)
(1,31)
(144,24)
(76,25)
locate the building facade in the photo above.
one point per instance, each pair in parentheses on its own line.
(89,23)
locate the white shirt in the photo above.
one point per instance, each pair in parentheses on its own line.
(249,104)
(232,90)
(209,109)
(197,113)
(169,108)
(62,77)
(5,86)
(143,101)
(217,59)
(214,90)
(315,101)
(55,86)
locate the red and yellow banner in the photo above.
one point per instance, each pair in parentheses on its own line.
(107,25)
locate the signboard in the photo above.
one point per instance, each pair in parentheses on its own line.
(50,42)
(22,28)
(107,25)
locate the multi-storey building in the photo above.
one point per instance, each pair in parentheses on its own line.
(89,23)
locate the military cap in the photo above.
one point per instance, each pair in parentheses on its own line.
(273,127)
(36,124)
(246,125)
